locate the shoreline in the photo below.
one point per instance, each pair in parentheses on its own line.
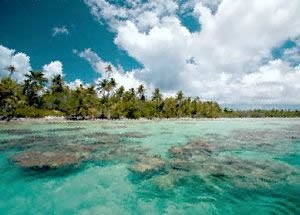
(64,119)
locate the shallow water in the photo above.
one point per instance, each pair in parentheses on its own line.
(218,166)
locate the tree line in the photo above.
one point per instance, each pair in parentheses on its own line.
(38,97)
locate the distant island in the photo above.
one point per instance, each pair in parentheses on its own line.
(38,97)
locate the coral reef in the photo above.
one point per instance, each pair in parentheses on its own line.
(148,165)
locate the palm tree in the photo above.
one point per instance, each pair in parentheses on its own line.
(9,97)
(179,96)
(11,69)
(141,92)
(91,90)
(132,92)
(156,95)
(105,86)
(34,83)
(102,86)
(111,85)
(108,70)
(57,84)
(120,92)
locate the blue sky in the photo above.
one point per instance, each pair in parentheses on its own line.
(27,26)
(242,54)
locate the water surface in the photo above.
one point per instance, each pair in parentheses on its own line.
(221,166)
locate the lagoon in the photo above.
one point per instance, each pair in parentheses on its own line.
(217,166)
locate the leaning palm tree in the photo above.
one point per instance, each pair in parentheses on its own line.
(11,69)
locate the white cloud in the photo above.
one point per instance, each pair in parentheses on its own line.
(126,79)
(292,54)
(52,69)
(276,82)
(20,61)
(60,30)
(190,5)
(230,54)
(96,62)
(75,84)
(145,14)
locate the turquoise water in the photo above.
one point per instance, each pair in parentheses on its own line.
(223,166)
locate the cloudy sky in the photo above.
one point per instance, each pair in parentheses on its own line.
(239,53)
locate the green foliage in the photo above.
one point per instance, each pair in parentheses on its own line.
(10,97)
(258,113)
(33,86)
(37,97)
(83,103)
(33,112)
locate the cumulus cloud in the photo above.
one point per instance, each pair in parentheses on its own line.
(52,69)
(188,6)
(229,60)
(75,84)
(126,79)
(21,62)
(292,55)
(144,14)
(96,62)
(60,30)
(276,82)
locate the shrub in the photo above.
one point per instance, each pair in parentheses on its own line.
(32,112)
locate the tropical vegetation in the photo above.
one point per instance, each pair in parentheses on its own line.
(38,97)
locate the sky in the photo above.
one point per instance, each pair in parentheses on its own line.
(242,54)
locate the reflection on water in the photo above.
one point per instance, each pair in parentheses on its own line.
(151,167)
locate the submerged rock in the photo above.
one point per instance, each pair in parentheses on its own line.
(165,181)
(108,127)
(24,142)
(45,160)
(104,138)
(255,135)
(195,147)
(107,138)
(18,131)
(97,134)
(180,165)
(64,129)
(200,146)
(148,165)
(133,135)
(62,156)
(37,142)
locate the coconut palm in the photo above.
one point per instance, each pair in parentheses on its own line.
(11,69)
(105,86)
(33,85)
(111,85)
(9,97)
(141,92)
(57,84)
(120,91)
(108,70)
(102,86)
(179,96)
(156,95)
(132,92)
